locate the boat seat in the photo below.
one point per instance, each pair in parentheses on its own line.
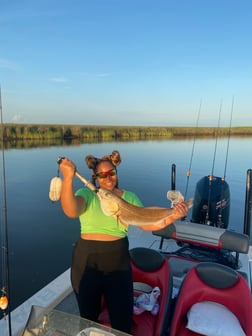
(205,235)
(216,283)
(150,269)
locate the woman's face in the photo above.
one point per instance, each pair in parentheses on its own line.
(106,175)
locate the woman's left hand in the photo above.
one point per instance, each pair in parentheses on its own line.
(180,210)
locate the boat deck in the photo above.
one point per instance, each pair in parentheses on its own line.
(58,294)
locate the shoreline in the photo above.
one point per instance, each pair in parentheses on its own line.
(16,132)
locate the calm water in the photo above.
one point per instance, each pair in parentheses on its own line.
(41,236)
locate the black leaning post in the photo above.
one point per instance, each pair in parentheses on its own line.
(248,203)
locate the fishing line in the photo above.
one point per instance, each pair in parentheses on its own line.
(188,173)
(4,295)
(229,136)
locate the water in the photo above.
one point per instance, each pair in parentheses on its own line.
(41,237)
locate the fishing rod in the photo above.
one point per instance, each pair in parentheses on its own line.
(229,136)
(223,200)
(212,172)
(219,219)
(5,291)
(188,173)
(216,139)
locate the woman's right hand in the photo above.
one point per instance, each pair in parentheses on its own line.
(68,169)
(72,205)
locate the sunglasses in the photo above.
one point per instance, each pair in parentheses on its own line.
(111,172)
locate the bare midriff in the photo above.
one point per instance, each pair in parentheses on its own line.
(99,236)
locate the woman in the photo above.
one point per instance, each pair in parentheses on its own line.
(101,262)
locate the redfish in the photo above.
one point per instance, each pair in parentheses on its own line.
(129,214)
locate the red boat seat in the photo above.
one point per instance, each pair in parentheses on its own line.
(152,268)
(149,268)
(217,283)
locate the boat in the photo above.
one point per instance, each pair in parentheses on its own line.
(202,269)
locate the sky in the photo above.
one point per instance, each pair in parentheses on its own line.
(126,62)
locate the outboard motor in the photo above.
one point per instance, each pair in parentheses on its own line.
(211,202)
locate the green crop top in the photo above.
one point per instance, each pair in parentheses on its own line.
(93,220)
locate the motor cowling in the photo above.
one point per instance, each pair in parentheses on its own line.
(211,204)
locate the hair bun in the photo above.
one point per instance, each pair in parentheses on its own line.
(116,158)
(91,161)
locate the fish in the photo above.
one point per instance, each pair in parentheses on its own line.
(129,214)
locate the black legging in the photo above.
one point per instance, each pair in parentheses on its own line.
(103,268)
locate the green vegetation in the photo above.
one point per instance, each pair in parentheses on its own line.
(83,133)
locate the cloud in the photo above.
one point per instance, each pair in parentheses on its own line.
(17,118)
(60,79)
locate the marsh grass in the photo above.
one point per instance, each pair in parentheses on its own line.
(40,132)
